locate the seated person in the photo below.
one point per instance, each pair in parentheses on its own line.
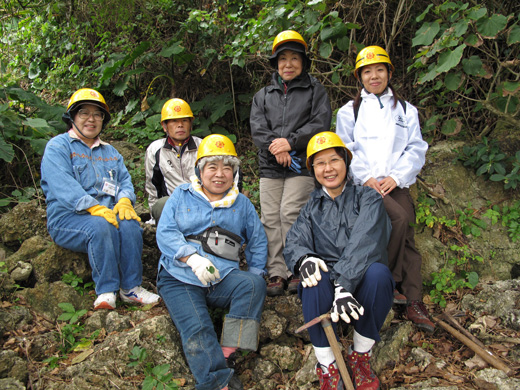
(170,161)
(338,248)
(89,196)
(202,228)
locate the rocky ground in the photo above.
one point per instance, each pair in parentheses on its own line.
(131,347)
(51,338)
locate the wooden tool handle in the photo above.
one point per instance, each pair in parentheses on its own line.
(331,336)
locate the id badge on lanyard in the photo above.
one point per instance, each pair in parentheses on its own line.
(110,186)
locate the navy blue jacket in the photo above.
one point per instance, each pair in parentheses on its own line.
(349,233)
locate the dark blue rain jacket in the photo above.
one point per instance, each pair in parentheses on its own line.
(349,233)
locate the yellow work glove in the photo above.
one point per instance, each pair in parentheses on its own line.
(105,212)
(125,209)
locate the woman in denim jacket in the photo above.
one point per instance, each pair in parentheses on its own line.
(194,276)
(89,196)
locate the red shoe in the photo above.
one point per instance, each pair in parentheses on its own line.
(276,286)
(292,288)
(417,313)
(399,299)
(362,375)
(330,381)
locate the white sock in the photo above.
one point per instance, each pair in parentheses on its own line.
(325,357)
(362,344)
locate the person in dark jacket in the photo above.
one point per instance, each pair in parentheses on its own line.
(337,246)
(284,116)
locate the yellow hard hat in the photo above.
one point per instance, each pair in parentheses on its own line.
(175,109)
(288,36)
(84,96)
(372,55)
(215,145)
(322,141)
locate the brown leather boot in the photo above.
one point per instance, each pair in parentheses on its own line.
(418,314)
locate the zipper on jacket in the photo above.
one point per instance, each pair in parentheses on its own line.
(284,106)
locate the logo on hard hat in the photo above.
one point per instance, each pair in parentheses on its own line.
(177,108)
(370,55)
(321,140)
(219,144)
(94,93)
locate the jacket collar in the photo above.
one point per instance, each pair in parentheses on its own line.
(302,81)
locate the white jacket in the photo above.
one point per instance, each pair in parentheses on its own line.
(166,169)
(384,141)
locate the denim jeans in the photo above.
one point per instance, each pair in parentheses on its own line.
(374,293)
(242,292)
(114,254)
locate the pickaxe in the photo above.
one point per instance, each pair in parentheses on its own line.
(331,336)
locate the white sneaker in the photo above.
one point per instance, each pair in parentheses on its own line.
(105,301)
(139,295)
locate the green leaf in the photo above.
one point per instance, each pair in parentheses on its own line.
(174,48)
(426,34)
(473,279)
(449,127)
(477,13)
(449,59)
(343,43)
(490,27)
(421,16)
(6,150)
(121,86)
(337,30)
(325,50)
(472,66)
(66,307)
(452,81)
(140,49)
(514,34)
(461,27)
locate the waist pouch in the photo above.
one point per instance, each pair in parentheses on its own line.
(219,242)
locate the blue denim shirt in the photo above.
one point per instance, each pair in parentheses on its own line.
(72,176)
(186,212)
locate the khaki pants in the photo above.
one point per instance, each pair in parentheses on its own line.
(403,258)
(280,203)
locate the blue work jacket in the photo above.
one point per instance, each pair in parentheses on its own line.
(73,174)
(349,233)
(187,213)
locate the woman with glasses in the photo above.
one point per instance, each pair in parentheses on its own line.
(337,246)
(89,196)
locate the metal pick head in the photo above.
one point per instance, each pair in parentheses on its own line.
(313,322)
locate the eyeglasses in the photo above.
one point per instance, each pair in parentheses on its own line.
(85,114)
(334,163)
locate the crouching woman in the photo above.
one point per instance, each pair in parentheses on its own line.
(338,247)
(202,227)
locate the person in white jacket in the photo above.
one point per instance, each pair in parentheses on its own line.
(384,135)
(170,161)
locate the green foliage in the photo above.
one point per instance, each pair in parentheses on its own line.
(510,216)
(75,281)
(456,274)
(69,313)
(156,377)
(491,162)
(465,65)
(3,267)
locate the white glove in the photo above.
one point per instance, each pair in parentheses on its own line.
(203,268)
(310,271)
(345,305)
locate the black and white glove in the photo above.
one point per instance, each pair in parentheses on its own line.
(310,271)
(345,306)
(203,268)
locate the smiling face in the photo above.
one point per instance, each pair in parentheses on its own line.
(89,120)
(290,64)
(216,179)
(330,171)
(375,78)
(177,129)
